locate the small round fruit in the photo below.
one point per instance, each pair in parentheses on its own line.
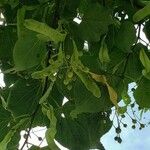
(134,121)
(70,74)
(132,105)
(66,82)
(142,125)
(124,125)
(67,56)
(80,53)
(86,69)
(118,130)
(119,140)
(39,138)
(74,78)
(116,138)
(133,89)
(25,136)
(123,116)
(51,61)
(69,87)
(53,78)
(133,126)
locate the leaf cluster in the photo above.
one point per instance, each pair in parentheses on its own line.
(87,51)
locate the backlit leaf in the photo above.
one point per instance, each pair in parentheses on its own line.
(142,13)
(89,83)
(126,36)
(51,131)
(146,63)
(44,29)
(103,53)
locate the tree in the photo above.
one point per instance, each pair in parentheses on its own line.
(84,50)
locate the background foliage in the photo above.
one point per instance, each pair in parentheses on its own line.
(46,56)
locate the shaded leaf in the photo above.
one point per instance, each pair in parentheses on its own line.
(28,51)
(133,66)
(7,39)
(5,119)
(126,36)
(86,102)
(146,29)
(142,93)
(24,93)
(86,129)
(96,18)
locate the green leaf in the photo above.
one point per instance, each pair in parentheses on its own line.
(68,46)
(86,102)
(13,3)
(142,13)
(38,148)
(146,74)
(5,119)
(122,110)
(112,93)
(52,69)
(20,20)
(44,29)
(126,36)
(96,18)
(142,93)
(47,93)
(14,143)
(51,131)
(133,66)
(23,97)
(82,72)
(146,63)
(7,139)
(86,129)
(125,97)
(117,58)
(7,39)
(55,97)
(28,51)
(89,83)
(145,60)
(103,53)
(90,61)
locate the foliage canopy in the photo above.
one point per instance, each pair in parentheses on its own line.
(87,51)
